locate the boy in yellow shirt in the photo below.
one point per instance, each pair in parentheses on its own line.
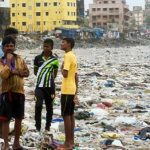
(69,91)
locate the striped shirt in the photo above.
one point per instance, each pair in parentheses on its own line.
(45,70)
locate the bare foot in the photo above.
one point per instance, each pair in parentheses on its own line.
(65,147)
(6,147)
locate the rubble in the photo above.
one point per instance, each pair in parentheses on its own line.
(114,93)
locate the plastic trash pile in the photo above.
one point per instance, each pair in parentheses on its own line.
(114,94)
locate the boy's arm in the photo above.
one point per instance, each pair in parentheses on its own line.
(35,66)
(56,65)
(76,100)
(76,81)
(25,71)
(66,66)
(5,70)
(55,73)
(63,71)
(35,70)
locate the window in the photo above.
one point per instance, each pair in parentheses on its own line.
(113,2)
(94,24)
(13,14)
(23,14)
(30,16)
(98,16)
(13,5)
(55,3)
(68,4)
(45,4)
(23,4)
(38,23)
(47,13)
(99,23)
(38,14)
(74,13)
(105,2)
(104,9)
(68,13)
(38,4)
(111,17)
(30,8)
(105,24)
(24,23)
(93,9)
(13,23)
(104,17)
(44,22)
(54,22)
(93,17)
(98,9)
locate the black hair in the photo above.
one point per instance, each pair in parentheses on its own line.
(70,41)
(8,40)
(49,41)
(10,31)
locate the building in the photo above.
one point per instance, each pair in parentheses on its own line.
(147,8)
(109,14)
(138,16)
(80,8)
(43,15)
(80,12)
(4,15)
(147,14)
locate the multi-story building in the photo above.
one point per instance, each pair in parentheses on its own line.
(147,8)
(147,14)
(43,15)
(138,16)
(109,14)
(80,8)
(80,11)
(4,15)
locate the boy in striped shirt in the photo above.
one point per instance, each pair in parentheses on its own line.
(45,68)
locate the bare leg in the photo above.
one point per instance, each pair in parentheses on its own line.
(67,126)
(72,130)
(5,132)
(17,133)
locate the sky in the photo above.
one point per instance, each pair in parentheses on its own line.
(131,3)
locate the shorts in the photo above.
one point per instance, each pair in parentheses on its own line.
(67,105)
(12,105)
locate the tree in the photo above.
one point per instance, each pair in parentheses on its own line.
(4,19)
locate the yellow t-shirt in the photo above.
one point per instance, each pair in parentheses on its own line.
(70,64)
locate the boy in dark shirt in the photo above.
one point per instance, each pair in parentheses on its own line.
(45,68)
